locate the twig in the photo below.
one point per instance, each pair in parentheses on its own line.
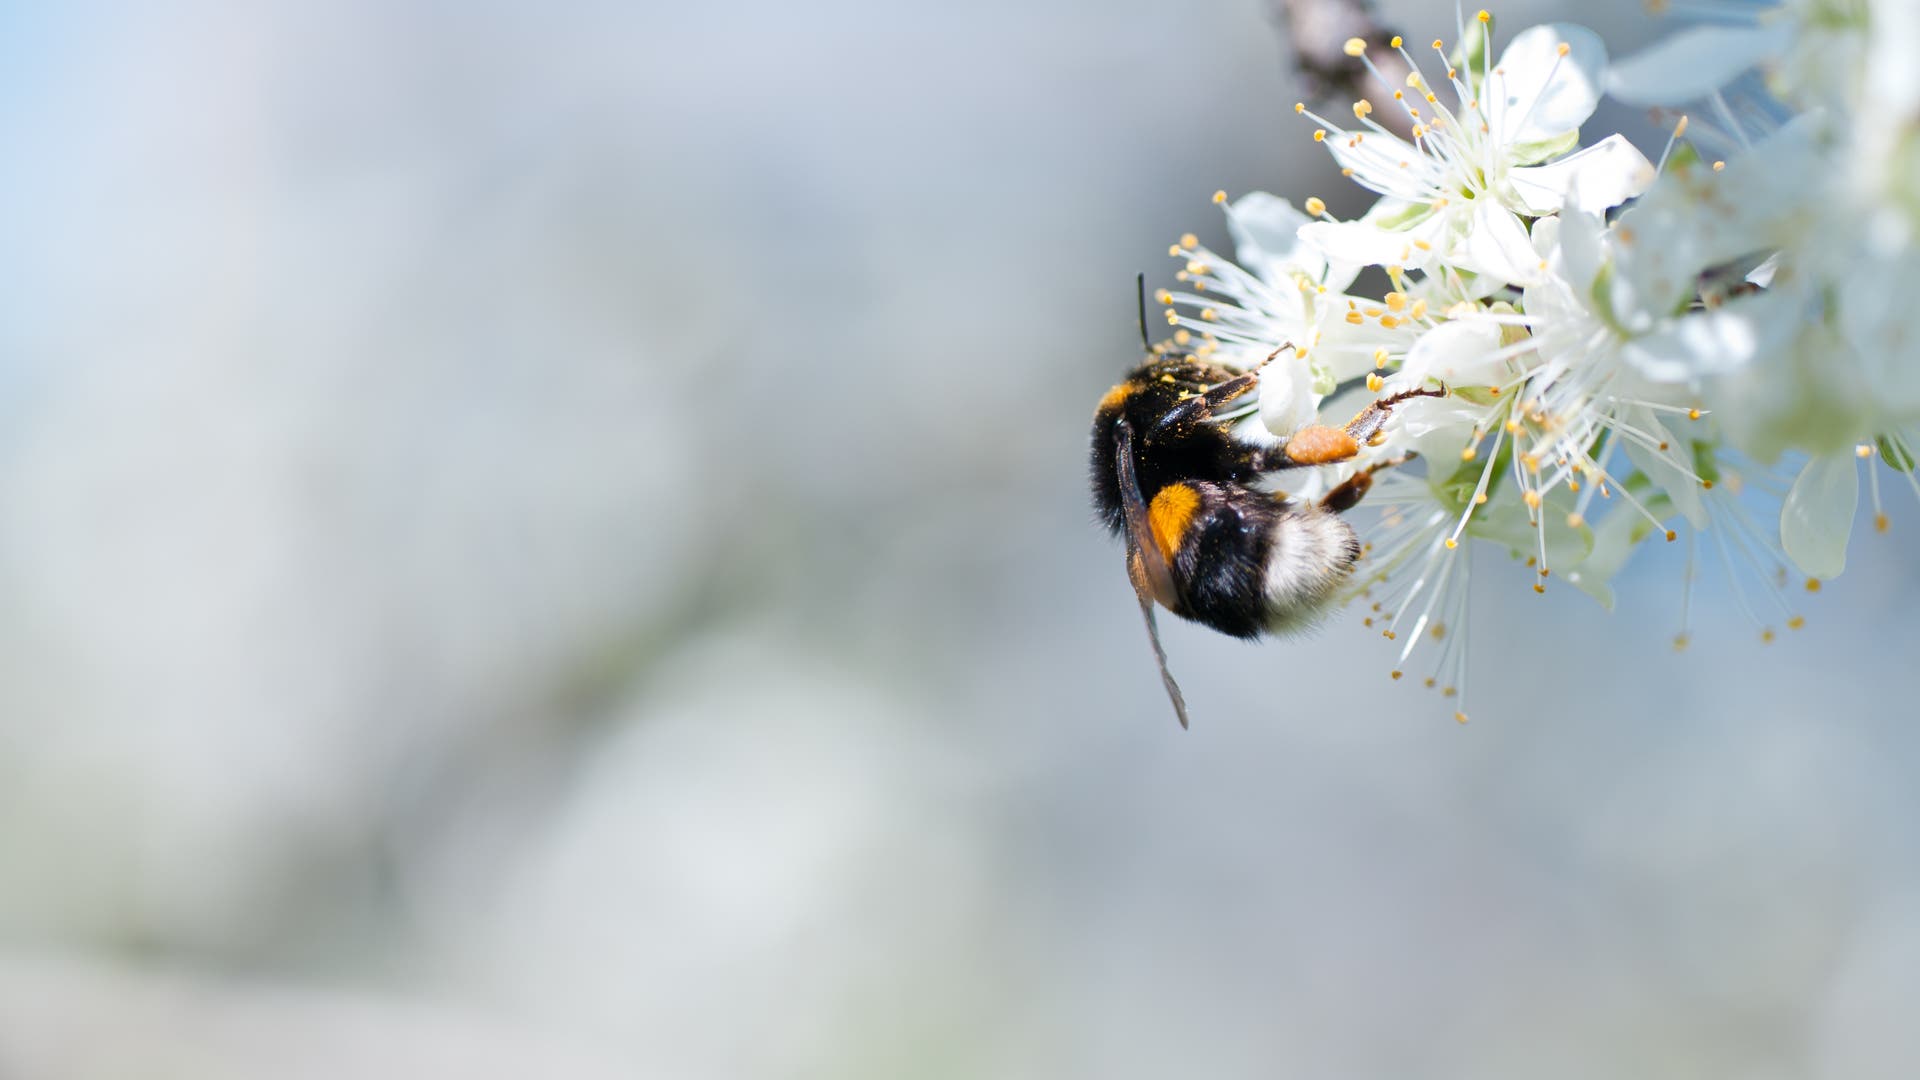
(1319,30)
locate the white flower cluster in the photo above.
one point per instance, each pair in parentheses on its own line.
(1631,348)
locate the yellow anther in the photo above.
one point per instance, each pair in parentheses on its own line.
(1361,108)
(1796,622)
(1680,642)
(1319,134)
(1575,521)
(1395,43)
(1300,353)
(1395,301)
(1207,315)
(1388,322)
(1881,523)
(1379,358)
(1431,100)
(1195,266)
(1439,46)
(1375,382)
(1484,16)
(1863,451)
(1672,536)
(1693,414)
(1813,584)
(1680,128)
(1163,296)
(1355,47)
(1419,131)
(1432,682)
(1452,543)
(1316,206)
(1398,96)
(1413,79)
(1388,634)
(1766,636)
(1421,244)
(1448,691)
(1396,674)
(1188,240)
(1299,106)
(1469,453)
(1418,311)
(1459,718)
(1182,338)
(1512,426)
(1347,173)
(1539,588)
(1355,318)
(1532,499)
(1173,318)
(1718,165)
(1704,484)
(1480,499)
(1564,49)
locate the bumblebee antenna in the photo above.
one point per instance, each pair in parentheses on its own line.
(1140,294)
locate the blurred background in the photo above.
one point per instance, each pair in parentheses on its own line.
(553,541)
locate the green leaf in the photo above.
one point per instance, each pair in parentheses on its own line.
(1404,218)
(1704,465)
(1456,490)
(1478,395)
(1895,454)
(1535,152)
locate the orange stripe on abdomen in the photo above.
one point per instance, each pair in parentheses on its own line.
(1171,515)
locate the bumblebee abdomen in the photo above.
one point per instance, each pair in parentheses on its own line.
(1251,564)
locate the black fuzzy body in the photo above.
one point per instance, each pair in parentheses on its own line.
(1223,563)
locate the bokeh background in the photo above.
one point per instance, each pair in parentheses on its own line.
(551,541)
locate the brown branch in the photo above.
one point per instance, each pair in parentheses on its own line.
(1319,30)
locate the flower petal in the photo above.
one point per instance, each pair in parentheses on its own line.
(1287,400)
(1363,243)
(1693,63)
(1817,517)
(1702,343)
(1595,179)
(1385,163)
(1539,93)
(1459,352)
(1266,240)
(1496,244)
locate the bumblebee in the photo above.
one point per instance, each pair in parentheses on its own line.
(1172,477)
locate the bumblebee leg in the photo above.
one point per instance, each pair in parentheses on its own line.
(1317,444)
(1203,405)
(1348,495)
(1366,426)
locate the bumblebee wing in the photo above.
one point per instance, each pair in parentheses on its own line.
(1146,567)
(1152,578)
(1160,654)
